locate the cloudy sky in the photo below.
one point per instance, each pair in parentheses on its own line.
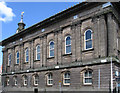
(10,13)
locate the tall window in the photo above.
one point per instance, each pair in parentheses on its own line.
(88,39)
(25,80)
(68,45)
(26,55)
(9,59)
(36,78)
(50,79)
(87,77)
(38,52)
(17,57)
(66,78)
(51,49)
(7,81)
(15,80)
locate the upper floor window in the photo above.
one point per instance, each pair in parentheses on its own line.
(15,81)
(36,78)
(87,77)
(9,59)
(38,52)
(25,80)
(88,39)
(26,55)
(66,78)
(50,79)
(68,45)
(51,49)
(17,57)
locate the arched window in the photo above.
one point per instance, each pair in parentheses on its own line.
(87,77)
(88,39)
(17,57)
(25,80)
(49,79)
(15,80)
(36,78)
(66,78)
(38,52)
(26,55)
(7,81)
(68,45)
(51,49)
(9,59)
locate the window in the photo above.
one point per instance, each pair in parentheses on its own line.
(9,59)
(17,57)
(25,80)
(7,81)
(66,78)
(26,55)
(15,80)
(87,77)
(50,79)
(88,39)
(68,45)
(36,78)
(38,52)
(51,49)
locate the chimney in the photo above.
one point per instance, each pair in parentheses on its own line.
(21,24)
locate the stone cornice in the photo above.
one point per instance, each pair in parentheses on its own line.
(72,65)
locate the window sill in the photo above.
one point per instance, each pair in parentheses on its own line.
(49,85)
(26,62)
(67,54)
(16,64)
(88,50)
(36,60)
(87,84)
(50,57)
(66,85)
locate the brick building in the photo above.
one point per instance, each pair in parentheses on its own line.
(70,51)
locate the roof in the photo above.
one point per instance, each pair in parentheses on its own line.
(50,20)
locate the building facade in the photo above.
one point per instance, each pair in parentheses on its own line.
(75,50)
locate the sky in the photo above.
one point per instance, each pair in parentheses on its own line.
(34,12)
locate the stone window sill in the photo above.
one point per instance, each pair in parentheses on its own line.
(88,50)
(36,60)
(50,57)
(67,54)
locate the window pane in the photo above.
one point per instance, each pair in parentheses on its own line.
(51,45)
(68,49)
(88,35)
(68,41)
(89,44)
(38,49)
(17,61)
(51,52)
(88,80)
(38,56)
(67,81)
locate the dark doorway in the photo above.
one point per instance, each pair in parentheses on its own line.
(35,90)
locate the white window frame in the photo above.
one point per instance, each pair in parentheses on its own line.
(15,80)
(17,58)
(86,77)
(67,45)
(9,59)
(88,39)
(25,80)
(26,55)
(51,49)
(49,79)
(36,79)
(37,52)
(65,78)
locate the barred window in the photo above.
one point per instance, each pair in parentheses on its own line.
(25,80)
